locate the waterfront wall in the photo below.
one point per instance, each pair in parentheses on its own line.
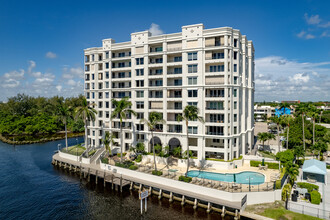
(69,156)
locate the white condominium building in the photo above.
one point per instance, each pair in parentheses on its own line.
(212,69)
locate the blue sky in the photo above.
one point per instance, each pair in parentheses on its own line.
(42,42)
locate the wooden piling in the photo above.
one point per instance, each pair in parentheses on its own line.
(160,194)
(195,204)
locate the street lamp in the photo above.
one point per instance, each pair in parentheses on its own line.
(58,147)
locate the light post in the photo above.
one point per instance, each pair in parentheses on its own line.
(58,147)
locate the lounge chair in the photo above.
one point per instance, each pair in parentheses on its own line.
(194,180)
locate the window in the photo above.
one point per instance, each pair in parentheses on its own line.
(177,59)
(107,114)
(139,105)
(100,105)
(107,55)
(177,70)
(192,130)
(107,85)
(93,95)
(93,77)
(107,65)
(192,68)
(235,68)
(235,79)
(139,94)
(139,115)
(218,68)
(235,92)
(106,95)
(192,56)
(139,72)
(192,93)
(235,42)
(235,130)
(235,105)
(193,103)
(139,83)
(139,61)
(235,117)
(216,140)
(192,80)
(107,105)
(218,55)
(140,127)
(107,75)
(235,55)
(127,136)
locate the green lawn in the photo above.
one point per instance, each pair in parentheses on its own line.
(328,143)
(277,211)
(74,150)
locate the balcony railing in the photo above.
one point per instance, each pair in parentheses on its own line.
(174,49)
(174,131)
(174,84)
(214,133)
(174,96)
(126,65)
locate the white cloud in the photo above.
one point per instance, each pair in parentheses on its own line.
(155,29)
(305,35)
(313,19)
(31,66)
(37,83)
(325,34)
(299,78)
(325,25)
(51,55)
(277,78)
(59,88)
(73,72)
(309,36)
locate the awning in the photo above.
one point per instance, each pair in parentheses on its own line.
(314,166)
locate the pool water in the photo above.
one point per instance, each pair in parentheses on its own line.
(242,177)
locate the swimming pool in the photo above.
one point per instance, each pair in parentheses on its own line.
(242,177)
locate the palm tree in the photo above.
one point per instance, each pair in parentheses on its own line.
(313,114)
(87,113)
(64,113)
(190,113)
(108,140)
(263,136)
(122,109)
(277,120)
(292,170)
(155,118)
(302,108)
(270,136)
(287,119)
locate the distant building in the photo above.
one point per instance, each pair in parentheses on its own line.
(263,112)
(292,102)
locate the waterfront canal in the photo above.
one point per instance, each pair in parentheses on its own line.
(31,188)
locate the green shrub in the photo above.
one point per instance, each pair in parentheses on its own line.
(138,158)
(157,173)
(286,192)
(315,197)
(104,160)
(185,179)
(119,154)
(278,184)
(133,167)
(125,164)
(310,187)
(270,165)
(328,166)
(300,162)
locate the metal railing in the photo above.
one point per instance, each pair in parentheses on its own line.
(308,210)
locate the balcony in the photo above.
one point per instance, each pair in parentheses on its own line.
(121,66)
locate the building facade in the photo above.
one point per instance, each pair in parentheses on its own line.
(212,69)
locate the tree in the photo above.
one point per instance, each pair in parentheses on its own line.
(286,120)
(299,151)
(277,120)
(155,118)
(263,136)
(292,170)
(285,156)
(108,140)
(122,109)
(312,113)
(87,113)
(190,113)
(270,136)
(302,109)
(65,113)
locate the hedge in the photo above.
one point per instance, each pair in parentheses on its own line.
(105,160)
(138,158)
(328,166)
(286,192)
(270,165)
(310,187)
(133,167)
(185,179)
(315,197)
(125,164)
(157,173)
